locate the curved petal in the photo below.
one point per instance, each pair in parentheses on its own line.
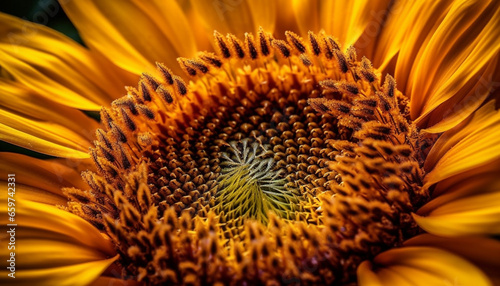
(478,214)
(39,124)
(409,26)
(345,20)
(77,274)
(54,246)
(237,17)
(458,108)
(420,266)
(40,180)
(56,67)
(35,194)
(49,219)
(482,252)
(480,180)
(134,34)
(469,145)
(465,42)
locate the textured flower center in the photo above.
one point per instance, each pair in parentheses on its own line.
(251,187)
(279,161)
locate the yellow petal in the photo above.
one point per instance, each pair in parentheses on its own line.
(420,266)
(55,66)
(410,26)
(465,42)
(237,17)
(479,181)
(45,218)
(458,108)
(48,175)
(53,247)
(20,100)
(39,124)
(345,20)
(482,252)
(469,145)
(483,179)
(133,34)
(37,253)
(71,275)
(367,277)
(34,194)
(24,139)
(479,214)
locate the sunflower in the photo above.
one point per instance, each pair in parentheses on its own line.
(304,143)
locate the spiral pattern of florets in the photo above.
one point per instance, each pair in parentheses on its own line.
(278,162)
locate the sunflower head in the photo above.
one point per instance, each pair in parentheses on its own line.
(271,160)
(277,153)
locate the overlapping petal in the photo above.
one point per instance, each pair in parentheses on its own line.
(237,17)
(55,247)
(469,145)
(419,265)
(134,34)
(40,180)
(464,43)
(465,204)
(56,67)
(480,251)
(479,214)
(36,123)
(440,50)
(346,20)
(409,25)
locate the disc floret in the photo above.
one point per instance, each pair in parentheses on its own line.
(250,186)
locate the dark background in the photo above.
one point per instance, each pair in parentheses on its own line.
(45,12)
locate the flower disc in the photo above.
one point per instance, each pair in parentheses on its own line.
(280,161)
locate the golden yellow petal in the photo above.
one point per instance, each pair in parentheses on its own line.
(482,252)
(49,175)
(407,25)
(465,42)
(37,253)
(345,20)
(467,146)
(420,266)
(42,125)
(54,65)
(479,214)
(366,277)
(464,189)
(237,17)
(45,218)
(410,26)
(19,100)
(482,179)
(53,247)
(34,194)
(133,34)
(27,140)
(78,274)
(452,112)
(43,137)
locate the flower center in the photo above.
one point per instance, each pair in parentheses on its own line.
(249,186)
(293,150)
